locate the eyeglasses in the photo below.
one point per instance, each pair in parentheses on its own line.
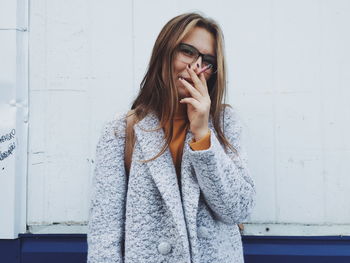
(189,54)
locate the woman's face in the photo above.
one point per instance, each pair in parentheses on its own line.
(202,40)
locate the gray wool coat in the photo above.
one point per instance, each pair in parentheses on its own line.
(150,219)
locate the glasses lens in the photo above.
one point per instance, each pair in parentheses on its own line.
(188,52)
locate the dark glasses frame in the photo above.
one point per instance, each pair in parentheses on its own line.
(199,54)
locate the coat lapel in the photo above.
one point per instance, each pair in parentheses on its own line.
(164,175)
(162,169)
(190,194)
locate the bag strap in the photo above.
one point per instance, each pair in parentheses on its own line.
(129,140)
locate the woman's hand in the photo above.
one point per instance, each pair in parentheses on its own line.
(198,106)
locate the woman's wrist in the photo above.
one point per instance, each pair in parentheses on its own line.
(200,134)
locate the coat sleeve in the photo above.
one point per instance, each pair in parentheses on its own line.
(224,178)
(107,205)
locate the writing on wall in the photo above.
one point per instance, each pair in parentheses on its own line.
(7,137)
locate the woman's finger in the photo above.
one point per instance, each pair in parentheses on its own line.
(198,83)
(203,80)
(195,103)
(193,91)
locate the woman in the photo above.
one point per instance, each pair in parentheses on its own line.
(171,179)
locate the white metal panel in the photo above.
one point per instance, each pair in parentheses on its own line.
(288,65)
(8,142)
(8,14)
(13,117)
(301,112)
(335,39)
(81,76)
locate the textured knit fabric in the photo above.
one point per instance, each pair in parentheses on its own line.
(148,221)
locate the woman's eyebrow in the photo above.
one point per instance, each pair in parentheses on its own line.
(198,50)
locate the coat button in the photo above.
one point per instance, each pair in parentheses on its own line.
(203,232)
(164,248)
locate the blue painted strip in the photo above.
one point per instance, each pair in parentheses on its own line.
(297,249)
(10,251)
(72,248)
(53,248)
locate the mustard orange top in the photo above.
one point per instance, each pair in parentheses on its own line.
(181,124)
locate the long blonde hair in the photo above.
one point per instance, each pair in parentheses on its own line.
(158,93)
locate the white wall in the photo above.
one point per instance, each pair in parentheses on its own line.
(13,116)
(288,76)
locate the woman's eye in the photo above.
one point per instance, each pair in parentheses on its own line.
(188,52)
